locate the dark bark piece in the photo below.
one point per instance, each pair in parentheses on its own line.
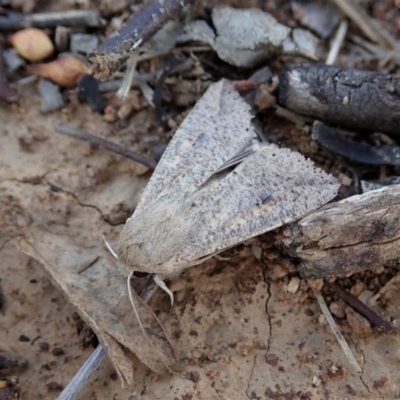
(342,96)
(114,52)
(352,235)
(335,141)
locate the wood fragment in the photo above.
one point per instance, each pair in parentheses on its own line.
(80,379)
(12,362)
(337,43)
(114,52)
(340,338)
(352,235)
(335,141)
(13,21)
(342,96)
(79,134)
(371,28)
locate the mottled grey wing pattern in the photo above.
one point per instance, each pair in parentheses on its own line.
(217,129)
(272,187)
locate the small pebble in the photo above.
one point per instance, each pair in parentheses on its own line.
(293,285)
(54,386)
(357,322)
(44,346)
(125,111)
(57,351)
(244,348)
(51,96)
(12,60)
(337,308)
(83,43)
(257,251)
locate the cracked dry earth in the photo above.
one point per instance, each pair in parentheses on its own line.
(237,332)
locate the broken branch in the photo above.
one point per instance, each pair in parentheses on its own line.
(114,52)
(88,137)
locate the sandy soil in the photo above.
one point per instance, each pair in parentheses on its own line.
(238,332)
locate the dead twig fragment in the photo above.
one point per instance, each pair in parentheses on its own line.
(79,380)
(12,362)
(114,52)
(374,31)
(337,42)
(340,338)
(339,143)
(88,137)
(352,235)
(340,96)
(359,306)
(13,21)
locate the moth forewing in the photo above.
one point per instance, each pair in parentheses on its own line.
(270,188)
(217,129)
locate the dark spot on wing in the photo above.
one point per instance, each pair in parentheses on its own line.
(264,200)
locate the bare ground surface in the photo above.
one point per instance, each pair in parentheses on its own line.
(237,331)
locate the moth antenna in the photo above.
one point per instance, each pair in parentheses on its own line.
(161,284)
(128,281)
(110,249)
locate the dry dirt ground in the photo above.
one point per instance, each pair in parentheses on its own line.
(239,334)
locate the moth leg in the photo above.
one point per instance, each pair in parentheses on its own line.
(161,284)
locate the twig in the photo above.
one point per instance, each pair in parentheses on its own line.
(8,362)
(337,43)
(123,91)
(114,52)
(340,338)
(88,137)
(157,99)
(359,306)
(82,376)
(110,86)
(374,31)
(14,21)
(373,300)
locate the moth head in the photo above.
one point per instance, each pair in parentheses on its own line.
(151,241)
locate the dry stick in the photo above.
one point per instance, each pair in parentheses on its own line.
(359,306)
(114,52)
(82,376)
(79,134)
(14,21)
(336,331)
(123,91)
(374,31)
(337,42)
